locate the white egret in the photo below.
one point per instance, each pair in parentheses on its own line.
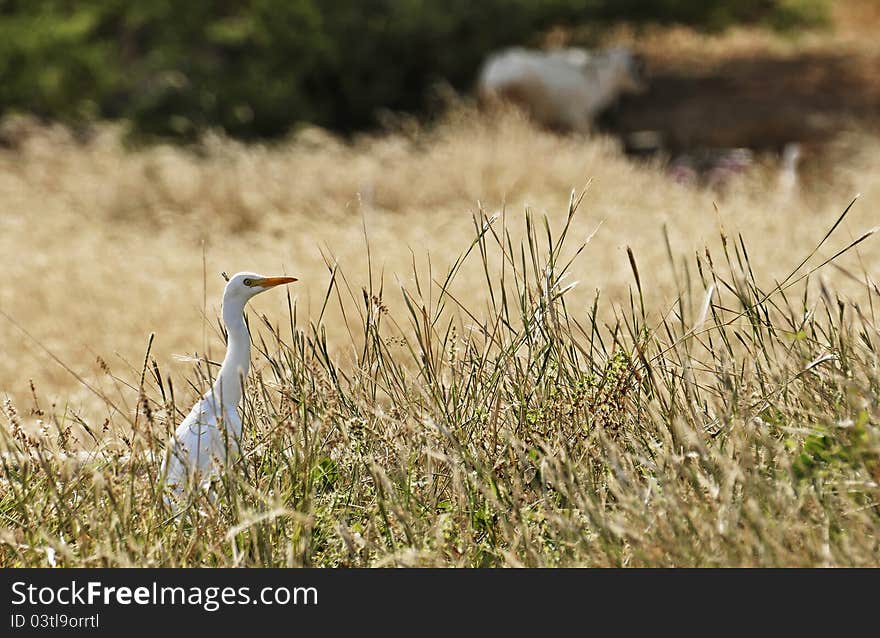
(211,432)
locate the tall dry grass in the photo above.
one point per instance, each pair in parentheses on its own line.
(694,400)
(736,427)
(100,247)
(469,371)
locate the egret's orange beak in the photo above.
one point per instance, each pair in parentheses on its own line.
(268,282)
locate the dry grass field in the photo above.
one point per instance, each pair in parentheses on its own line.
(101,247)
(714,407)
(116,244)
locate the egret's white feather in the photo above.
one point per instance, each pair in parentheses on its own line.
(208,438)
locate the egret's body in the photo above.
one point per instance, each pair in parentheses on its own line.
(209,436)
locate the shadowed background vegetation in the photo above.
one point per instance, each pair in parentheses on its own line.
(254,69)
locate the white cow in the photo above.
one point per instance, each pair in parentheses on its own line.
(564,89)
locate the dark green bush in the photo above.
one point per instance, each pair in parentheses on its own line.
(256,67)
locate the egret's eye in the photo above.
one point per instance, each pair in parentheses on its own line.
(248,282)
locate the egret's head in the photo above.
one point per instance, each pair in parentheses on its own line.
(244,285)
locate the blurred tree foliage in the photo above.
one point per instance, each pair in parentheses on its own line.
(256,67)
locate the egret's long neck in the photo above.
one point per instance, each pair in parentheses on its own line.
(236,363)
